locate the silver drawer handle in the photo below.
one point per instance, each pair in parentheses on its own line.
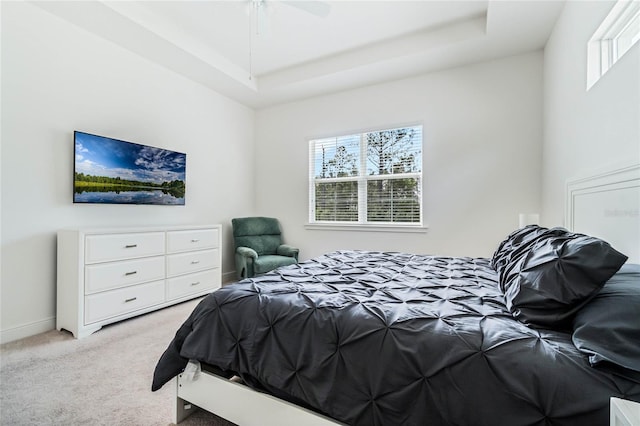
(195,240)
(131,246)
(131,273)
(196,283)
(195,262)
(130,300)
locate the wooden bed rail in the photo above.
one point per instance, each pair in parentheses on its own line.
(239,403)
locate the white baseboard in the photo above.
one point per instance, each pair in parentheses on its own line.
(229,277)
(37,327)
(27,330)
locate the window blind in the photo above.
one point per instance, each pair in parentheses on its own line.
(371,177)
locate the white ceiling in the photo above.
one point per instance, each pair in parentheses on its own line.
(288,50)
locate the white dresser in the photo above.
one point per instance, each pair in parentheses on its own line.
(107,275)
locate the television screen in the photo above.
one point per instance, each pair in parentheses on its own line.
(112,171)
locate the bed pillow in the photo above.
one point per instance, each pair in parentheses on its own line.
(607,329)
(517,241)
(549,278)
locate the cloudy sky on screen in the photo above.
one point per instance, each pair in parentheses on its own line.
(101,156)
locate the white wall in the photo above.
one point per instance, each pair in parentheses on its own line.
(585,131)
(57,78)
(482,155)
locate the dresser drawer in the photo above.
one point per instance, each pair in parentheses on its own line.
(105,276)
(194,239)
(178,264)
(112,303)
(102,248)
(192,283)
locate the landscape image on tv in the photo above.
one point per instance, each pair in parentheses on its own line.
(112,171)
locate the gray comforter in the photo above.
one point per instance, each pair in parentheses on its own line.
(372,338)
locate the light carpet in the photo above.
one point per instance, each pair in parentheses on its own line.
(103,379)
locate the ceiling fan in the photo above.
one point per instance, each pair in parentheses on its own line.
(259,9)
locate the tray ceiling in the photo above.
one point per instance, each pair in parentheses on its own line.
(282,51)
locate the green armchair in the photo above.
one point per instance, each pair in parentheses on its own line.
(259,248)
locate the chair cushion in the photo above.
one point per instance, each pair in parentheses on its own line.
(244,226)
(259,233)
(268,262)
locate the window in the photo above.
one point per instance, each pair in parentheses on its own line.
(619,31)
(372,178)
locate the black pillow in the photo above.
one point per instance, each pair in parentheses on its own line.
(516,242)
(549,274)
(607,328)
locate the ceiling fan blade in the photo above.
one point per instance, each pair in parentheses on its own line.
(262,20)
(318,8)
(259,19)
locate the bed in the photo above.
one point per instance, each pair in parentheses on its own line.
(381,338)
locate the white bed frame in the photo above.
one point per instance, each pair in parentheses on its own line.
(606,205)
(239,403)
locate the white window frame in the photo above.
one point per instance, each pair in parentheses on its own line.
(619,31)
(362,179)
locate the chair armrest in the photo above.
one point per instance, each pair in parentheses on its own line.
(247,252)
(286,250)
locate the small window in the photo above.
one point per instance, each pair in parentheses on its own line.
(619,31)
(371,178)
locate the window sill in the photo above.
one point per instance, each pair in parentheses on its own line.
(366,228)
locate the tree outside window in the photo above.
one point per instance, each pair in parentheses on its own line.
(373,177)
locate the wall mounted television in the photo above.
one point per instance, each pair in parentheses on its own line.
(112,171)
